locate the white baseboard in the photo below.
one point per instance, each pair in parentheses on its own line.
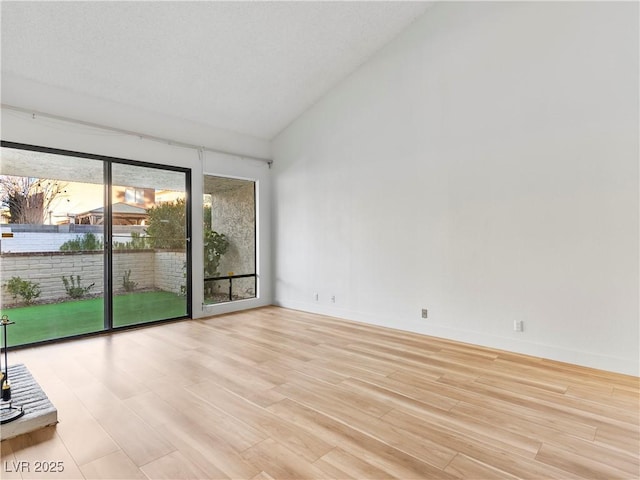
(551,352)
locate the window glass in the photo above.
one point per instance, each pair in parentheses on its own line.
(229,218)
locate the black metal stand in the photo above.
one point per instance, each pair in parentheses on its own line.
(231,278)
(8,411)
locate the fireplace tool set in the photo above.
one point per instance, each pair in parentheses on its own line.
(8,411)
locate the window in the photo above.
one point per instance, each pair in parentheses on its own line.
(134,195)
(229,240)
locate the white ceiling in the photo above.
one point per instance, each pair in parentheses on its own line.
(246,67)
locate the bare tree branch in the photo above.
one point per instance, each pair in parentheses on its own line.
(27,198)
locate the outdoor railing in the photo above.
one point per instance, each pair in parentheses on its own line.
(231,278)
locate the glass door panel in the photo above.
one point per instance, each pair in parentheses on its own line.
(52,247)
(149,244)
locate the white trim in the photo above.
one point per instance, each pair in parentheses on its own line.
(142,136)
(511,345)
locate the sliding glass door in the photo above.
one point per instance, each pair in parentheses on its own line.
(90,243)
(149,244)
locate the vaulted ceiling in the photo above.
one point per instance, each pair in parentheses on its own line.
(245,67)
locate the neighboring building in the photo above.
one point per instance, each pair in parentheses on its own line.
(123,214)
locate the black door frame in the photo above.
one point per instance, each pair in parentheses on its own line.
(108,230)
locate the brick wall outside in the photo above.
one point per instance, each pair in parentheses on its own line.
(169,271)
(150,269)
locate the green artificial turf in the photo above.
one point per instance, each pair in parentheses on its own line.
(57,320)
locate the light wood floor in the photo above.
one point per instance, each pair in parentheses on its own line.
(275,393)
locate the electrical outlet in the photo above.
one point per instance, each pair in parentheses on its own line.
(518,326)
(424,313)
(315,297)
(333,299)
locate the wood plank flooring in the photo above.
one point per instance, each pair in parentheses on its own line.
(280,394)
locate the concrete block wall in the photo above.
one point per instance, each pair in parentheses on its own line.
(142,266)
(170,270)
(150,269)
(48,268)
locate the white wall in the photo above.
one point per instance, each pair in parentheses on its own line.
(21,128)
(36,241)
(484,165)
(44,242)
